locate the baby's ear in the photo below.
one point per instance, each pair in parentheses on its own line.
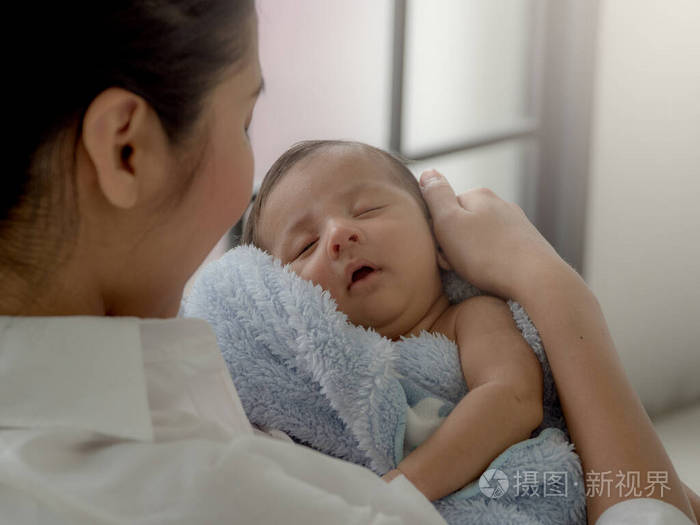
(442,260)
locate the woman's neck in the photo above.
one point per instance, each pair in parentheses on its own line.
(62,292)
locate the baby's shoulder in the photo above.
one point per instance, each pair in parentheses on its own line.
(446,323)
(474,311)
(479,303)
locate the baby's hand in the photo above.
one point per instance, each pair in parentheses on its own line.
(391,475)
(488,241)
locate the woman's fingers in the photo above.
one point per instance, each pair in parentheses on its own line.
(482,236)
(438,194)
(441,198)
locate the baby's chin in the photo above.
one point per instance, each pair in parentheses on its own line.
(386,326)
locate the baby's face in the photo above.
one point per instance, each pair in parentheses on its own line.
(340,220)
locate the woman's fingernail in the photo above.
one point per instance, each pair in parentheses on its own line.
(429,177)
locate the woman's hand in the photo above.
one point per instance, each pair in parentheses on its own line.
(486,240)
(491,243)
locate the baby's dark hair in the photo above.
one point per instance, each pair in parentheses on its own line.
(401,174)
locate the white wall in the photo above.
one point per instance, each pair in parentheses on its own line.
(328,64)
(642,251)
(467,69)
(327,70)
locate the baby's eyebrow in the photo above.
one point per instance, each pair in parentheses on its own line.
(297,225)
(288,234)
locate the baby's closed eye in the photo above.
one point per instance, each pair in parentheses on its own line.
(366,210)
(306,248)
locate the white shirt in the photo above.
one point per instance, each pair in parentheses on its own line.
(644,511)
(124,420)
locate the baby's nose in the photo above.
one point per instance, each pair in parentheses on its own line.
(341,237)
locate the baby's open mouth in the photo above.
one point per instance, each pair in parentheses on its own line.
(361,273)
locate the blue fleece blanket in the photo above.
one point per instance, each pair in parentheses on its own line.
(299,366)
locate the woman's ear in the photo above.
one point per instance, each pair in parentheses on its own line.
(117,134)
(442,260)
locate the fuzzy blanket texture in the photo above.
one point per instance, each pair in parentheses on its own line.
(299,366)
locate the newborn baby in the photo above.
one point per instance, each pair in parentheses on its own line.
(350,218)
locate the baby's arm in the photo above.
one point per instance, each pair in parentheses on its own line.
(503,406)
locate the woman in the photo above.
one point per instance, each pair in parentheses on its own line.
(129,160)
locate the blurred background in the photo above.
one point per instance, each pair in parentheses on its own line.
(584,112)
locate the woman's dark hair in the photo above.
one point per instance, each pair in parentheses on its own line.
(401,174)
(170,53)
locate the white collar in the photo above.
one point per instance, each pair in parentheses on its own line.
(79,372)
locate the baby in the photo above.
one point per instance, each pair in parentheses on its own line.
(351,218)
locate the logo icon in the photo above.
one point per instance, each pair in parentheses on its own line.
(493,483)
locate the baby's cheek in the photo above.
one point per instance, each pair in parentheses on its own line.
(315,274)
